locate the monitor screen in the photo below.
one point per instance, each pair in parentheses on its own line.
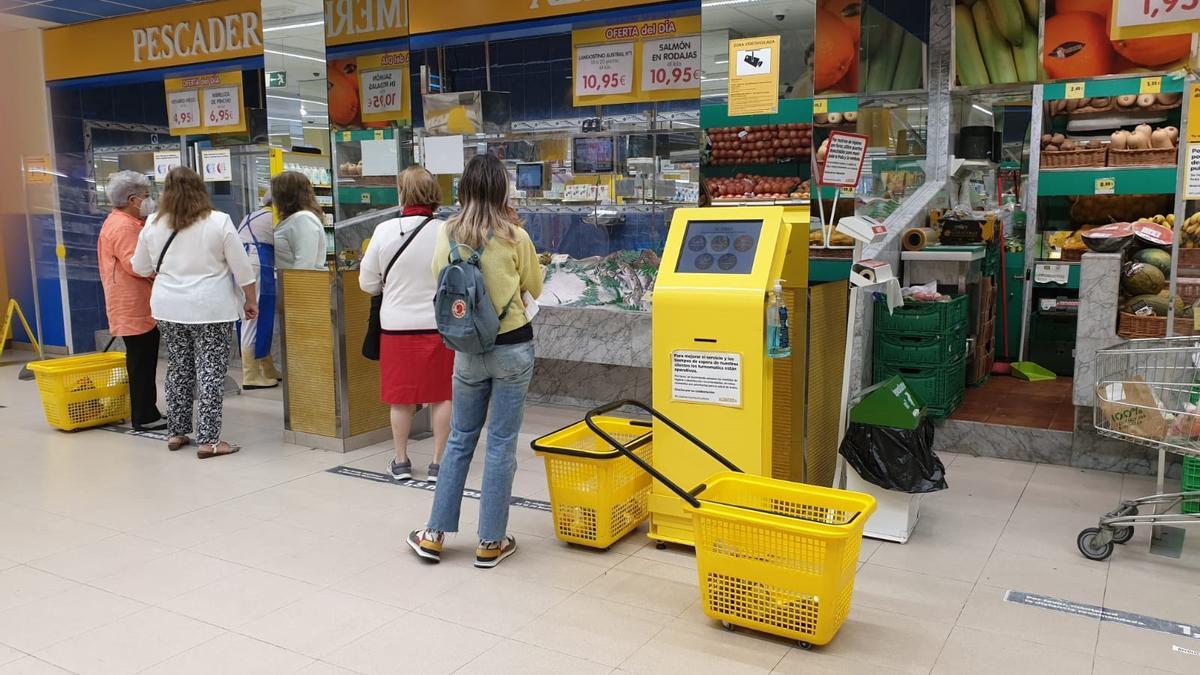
(530,176)
(719,247)
(593,155)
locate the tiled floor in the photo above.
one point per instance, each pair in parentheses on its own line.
(119,557)
(1015,402)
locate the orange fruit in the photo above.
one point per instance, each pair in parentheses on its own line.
(1155,51)
(1098,7)
(1076,44)
(848,11)
(835,50)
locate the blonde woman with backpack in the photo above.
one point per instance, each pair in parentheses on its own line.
(499,377)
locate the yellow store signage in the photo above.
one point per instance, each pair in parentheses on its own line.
(383,81)
(430,16)
(635,62)
(353,21)
(205,104)
(211,31)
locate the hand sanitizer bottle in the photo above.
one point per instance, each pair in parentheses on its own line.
(779,343)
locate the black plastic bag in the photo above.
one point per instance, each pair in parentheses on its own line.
(896,459)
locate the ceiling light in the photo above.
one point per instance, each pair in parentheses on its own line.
(290,26)
(295,56)
(297,98)
(985,111)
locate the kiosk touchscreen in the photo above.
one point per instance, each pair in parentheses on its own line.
(711,372)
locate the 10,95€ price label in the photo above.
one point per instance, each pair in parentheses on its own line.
(604,69)
(672,63)
(382,90)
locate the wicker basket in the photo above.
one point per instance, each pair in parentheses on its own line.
(1189,258)
(1060,159)
(1132,326)
(1143,157)
(1073,254)
(1188,289)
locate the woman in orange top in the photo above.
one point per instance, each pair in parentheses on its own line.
(127,295)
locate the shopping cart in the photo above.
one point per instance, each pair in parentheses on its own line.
(1147,393)
(771,555)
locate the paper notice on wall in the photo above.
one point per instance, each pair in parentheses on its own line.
(165,161)
(844,159)
(604,69)
(673,63)
(1193,171)
(380,158)
(444,154)
(754,76)
(217,165)
(707,377)
(1051,273)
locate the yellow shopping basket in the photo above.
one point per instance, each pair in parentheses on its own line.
(772,555)
(83,391)
(596,494)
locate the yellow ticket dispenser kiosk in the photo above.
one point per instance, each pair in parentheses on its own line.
(711,372)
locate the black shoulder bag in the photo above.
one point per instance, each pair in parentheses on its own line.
(163,252)
(370,347)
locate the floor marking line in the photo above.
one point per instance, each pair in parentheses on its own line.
(1103,614)
(380,477)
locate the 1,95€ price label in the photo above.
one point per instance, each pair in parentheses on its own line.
(222,107)
(183,109)
(382,91)
(672,63)
(604,69)
(1149,12)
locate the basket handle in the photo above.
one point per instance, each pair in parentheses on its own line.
(689,497)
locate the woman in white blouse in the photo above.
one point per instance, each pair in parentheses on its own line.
(300,236)
(203,284)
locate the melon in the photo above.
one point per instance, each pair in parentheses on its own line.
(1156,257)
(1143,305)
(1142,279)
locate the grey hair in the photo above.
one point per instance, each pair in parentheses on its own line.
(125,184)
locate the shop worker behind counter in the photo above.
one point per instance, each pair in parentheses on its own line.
(259,336)
(499,377)
(300,237)
(127,295)
(203,284)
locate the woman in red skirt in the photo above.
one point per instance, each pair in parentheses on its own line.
(414,366)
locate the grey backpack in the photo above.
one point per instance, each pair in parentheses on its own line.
(465,315)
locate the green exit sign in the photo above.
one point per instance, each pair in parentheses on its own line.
(276,79)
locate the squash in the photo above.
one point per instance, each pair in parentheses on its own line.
(1119,140)
(1160,139)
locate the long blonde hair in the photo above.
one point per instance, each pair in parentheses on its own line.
(483,193)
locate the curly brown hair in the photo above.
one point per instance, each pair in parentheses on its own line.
(293,193)
(184,199)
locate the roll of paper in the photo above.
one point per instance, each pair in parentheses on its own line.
(867,273)
(917,238)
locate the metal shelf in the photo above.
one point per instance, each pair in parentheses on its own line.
(1113,86)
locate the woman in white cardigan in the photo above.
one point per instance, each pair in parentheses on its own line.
(300,235)
(203,284)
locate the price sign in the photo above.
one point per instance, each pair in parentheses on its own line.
(820,106)
(1106,186)
(672,63)
(1074,90)
(844,160)
(183,110)
(165,161)
(1150,85)
(1146,18)
(381,79)
(604,69)
(1193,171)
(222,107)
(216,165)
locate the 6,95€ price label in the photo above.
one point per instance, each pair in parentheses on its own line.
(222,107)
(672,63)
(604,69)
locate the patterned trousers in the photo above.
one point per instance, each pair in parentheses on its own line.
(197,363)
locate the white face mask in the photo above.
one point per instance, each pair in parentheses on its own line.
(146,207)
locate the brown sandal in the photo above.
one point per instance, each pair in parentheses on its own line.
(176,442)
(221,448)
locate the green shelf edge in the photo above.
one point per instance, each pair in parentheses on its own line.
(1131,180)
(351,195)
(362,135)
(823,270)
(791,111)
(1113,86)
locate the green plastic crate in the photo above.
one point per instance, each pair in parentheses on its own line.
(921,318)
(1189,481)
(941,387)
(927,349)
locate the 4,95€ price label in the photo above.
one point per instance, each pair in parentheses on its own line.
(183,108)
(604,69)
(222,107)
(672,63)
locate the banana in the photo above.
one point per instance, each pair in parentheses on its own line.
(968,59)
(908,66)
(1031,11)
(1026,55)
(996,53)
(1010,20)
(882,66)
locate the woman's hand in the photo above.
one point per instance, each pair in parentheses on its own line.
(250,309)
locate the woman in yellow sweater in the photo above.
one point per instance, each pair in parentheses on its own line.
(500,377)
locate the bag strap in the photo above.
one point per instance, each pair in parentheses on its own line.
(163,252)
(412,235)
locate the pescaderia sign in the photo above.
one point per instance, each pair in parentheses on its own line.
(431,16)
(354,21)
(198,33)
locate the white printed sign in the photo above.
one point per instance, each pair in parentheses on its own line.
(844,159)
(222,107)
(1152,12)
(382,91)
(216,165)
(673,63)
(165,161)
(1193,171)
(604,69)
(1050,273)
(707,377)
(183,110)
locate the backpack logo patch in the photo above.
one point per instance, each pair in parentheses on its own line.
(459,309)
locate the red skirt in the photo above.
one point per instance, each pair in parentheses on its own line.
(414,368)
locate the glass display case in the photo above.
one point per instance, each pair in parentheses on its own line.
(366,163)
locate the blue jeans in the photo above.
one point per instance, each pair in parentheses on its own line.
(500,377)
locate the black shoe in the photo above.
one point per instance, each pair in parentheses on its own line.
(153,426)
(252,387)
